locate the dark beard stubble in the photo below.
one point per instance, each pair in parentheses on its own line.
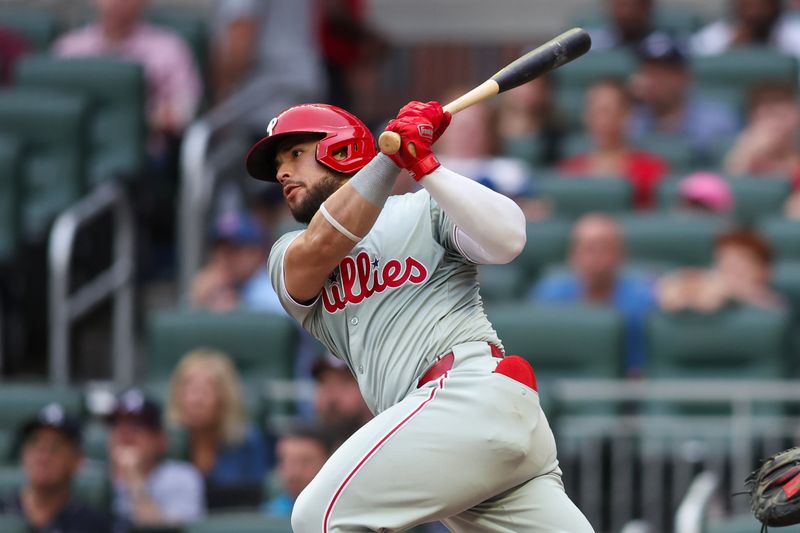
(315,195)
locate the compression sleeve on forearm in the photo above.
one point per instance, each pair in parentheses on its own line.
(490,226)
(375,181)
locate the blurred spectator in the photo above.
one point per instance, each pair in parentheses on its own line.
(741,274)
(205,399)
(529,125)
(349,45)
(51,458)
(174,87)
(149,491)
(266,52)
(597,277)
(662,87)
(705,193)
(236,274)
(340,408)
(301,454)
(628,23)
(471,150)
(768,145)
(12,47)
(752,23)
(607,111)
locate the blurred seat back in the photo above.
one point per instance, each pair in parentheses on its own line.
(116,91)
(546,244)
(52,127)
(783,235)
(574,196)
(719,77)
(262,345)
(243,522)
(10,200)
(38,27)
(670,237)
(738,342)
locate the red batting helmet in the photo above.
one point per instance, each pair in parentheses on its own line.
(338,128)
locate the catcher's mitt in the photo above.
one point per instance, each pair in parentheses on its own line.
(774,489)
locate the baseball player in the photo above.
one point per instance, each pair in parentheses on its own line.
(389,286)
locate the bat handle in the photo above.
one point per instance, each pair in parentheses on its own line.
(389,143)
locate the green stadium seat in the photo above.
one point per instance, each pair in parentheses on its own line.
(562,340)
(678,22)
(116,91)
(758,197)
(10,170)
(677,153)
(753,198)
(784,236)
(263,345)
(738,342)
(53,129)
(21,401)
(502,283)
(573,79)
(574,196)
(242,522)
(719,77)
(91,485)
(39,27)
(786,278)
(12,524)
(546,244)
(675,238)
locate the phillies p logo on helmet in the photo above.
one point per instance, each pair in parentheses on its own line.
(426,130)
(271,126)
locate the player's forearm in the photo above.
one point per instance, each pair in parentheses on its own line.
(494,222)
(354,208)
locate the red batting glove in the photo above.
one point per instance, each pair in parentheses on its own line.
(421,125)
(432,112)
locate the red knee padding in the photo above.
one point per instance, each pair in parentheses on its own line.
(517,369)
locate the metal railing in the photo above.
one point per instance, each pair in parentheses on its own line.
(630,449)
(199,174)
(116,282)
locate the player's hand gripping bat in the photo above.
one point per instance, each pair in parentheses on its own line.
(557,52)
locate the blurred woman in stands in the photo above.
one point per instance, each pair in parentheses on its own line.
(768,146)
(205,399)
(529,125)
(606,114)
(741,274)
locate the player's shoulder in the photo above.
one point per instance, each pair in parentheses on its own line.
(283,242)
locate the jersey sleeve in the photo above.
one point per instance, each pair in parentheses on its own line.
(300,312)
(446,233)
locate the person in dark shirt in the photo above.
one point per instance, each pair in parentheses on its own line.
(51,458)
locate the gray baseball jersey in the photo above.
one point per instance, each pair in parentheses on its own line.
(403,295)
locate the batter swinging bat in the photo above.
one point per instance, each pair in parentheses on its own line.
(557,52)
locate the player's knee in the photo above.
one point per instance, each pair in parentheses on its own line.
(307,514)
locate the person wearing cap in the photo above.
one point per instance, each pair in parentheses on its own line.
(338,404)
(705,193)
(51,458)
(149,490)
(597,277)
(662,87)
(235,275)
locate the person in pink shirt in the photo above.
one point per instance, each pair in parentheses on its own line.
(174,88)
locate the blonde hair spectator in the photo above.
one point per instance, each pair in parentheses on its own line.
(219,367)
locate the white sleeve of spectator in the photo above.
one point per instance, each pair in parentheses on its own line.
(490,226)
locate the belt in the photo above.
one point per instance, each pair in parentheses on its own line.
(444,363)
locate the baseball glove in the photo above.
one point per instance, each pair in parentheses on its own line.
(774,489)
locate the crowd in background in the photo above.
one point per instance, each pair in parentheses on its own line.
(508,144)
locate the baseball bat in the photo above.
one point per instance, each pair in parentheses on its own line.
(559,51)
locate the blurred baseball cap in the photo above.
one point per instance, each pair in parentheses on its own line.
(327,361)
(53,416)
(134,406)
(663,48)
(238,227)
(707,189)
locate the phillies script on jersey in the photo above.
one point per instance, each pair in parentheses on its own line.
(371,279)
